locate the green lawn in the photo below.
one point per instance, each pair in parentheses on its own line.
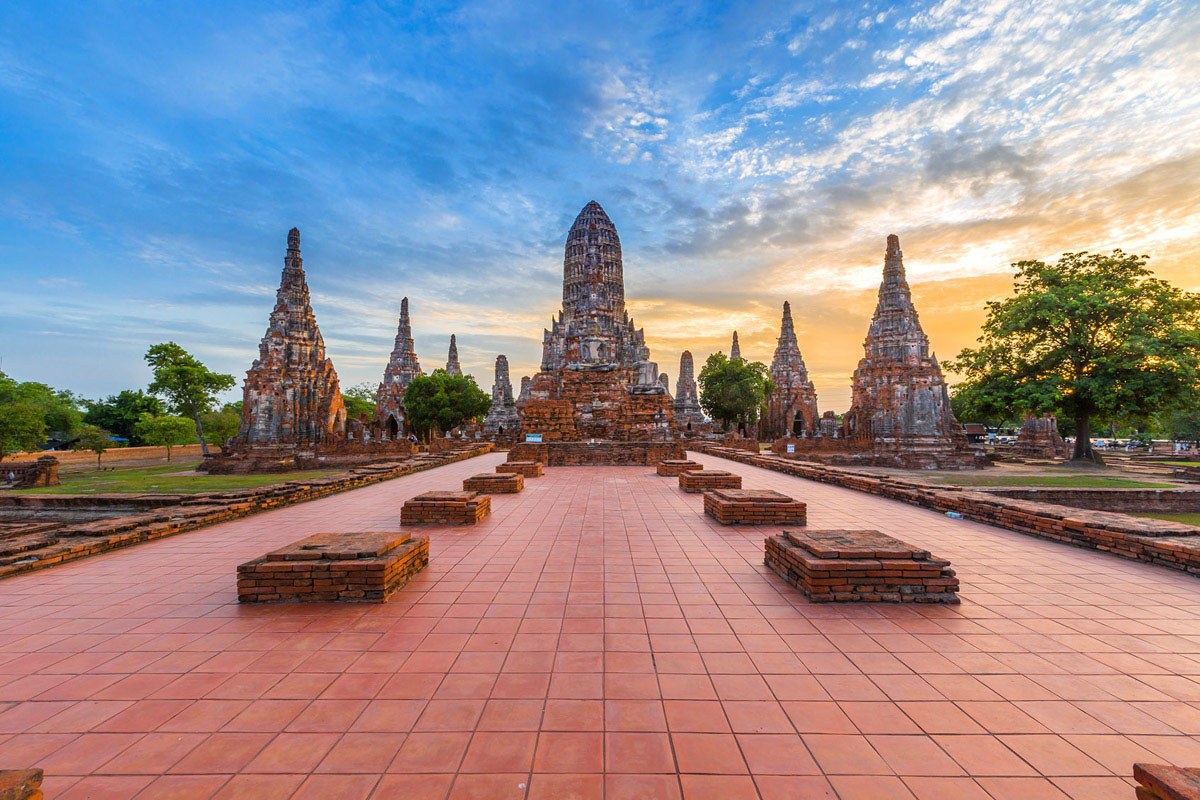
(1049,481)
(159,480)
(1176,463)
(1189,518)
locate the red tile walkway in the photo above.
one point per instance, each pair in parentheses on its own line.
(598,637)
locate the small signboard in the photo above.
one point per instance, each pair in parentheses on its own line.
(791,448)
(535,438)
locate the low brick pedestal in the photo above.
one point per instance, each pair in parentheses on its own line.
(703,480)
(1162,782)
(859,566)
(446,508)
(495,482)
(674,466)
(530,469)
(353,567)
(20,784)
(754,507)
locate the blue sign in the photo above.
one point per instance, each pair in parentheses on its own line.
(536,438)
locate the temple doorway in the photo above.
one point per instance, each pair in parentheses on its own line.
(798,424)
(393,428)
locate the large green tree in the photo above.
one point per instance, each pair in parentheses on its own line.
(360,401)
(30,411)
(734,391)
(1181,425)
(94,438)
(189,387)
(441,402)
(164,430)
(120,413)
(1089,336)
(224,424)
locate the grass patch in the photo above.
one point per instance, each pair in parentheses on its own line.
(1049,481)
(1187,518)
(1176,463)
(160,480)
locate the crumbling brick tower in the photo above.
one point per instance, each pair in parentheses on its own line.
(899,399)
(291,394)
(596,379)
(792,407)
(502,420)
(390,419)
(688,416)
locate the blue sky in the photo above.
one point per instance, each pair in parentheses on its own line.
(153,157)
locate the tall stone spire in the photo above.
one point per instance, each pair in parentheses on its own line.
(899,396)
(687,402)
(593,276)
(452,365)
(291,392)
(401,368)
(735,350)
(792,407)
(502,418)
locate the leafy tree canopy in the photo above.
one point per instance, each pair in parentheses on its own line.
(189,387)
(1181,425)
(29,412)
(94,438)
(360,401)
(734,392)
(441,402)
(120,413)
(1090,336)
(163,430)
(221,426)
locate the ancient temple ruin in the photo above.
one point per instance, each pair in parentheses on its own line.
(452,365)
(735,349)
(502,420)
(792,406)
(596,379)
(291,394)
(688,416)
(1039,438)
(402,367)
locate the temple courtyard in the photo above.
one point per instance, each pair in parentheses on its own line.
(598,637)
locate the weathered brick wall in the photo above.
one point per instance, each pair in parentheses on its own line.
(527,469)
(566,454)
(1156,541)
(111,456)
(1166,501)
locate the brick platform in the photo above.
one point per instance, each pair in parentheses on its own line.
(702,480)
(495,482)
(20,784)
(1163,782)
(530,469)
(859,566)
(601,453)
(754,507)
(348,567)
(446,508)
(671,467)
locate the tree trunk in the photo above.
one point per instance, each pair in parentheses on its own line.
(98,461)
(1083,440)
(199,435)
(168,454)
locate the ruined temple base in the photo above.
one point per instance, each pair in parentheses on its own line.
(599,453)
(859,566)
(911,453)
(495,482)
(754,507)
(446,508)
(703,480)
(276,458)
(327,567)
(672,467)
(529,469)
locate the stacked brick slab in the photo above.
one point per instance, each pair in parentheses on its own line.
(703,480)
(754,507)
(347,567)
(672,467)
(446,508)
(495,482)
(20,784)
(1163,782)
(859,566)
(529,469)
(585,454)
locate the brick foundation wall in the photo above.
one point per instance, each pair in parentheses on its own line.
(576,454)
(754,507)
(528,469)
(159,516)
(1163,501)
(495,482)
(672,467)
(701,480)
(859,566)
(1155,541)
(446,508)
(327,567)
